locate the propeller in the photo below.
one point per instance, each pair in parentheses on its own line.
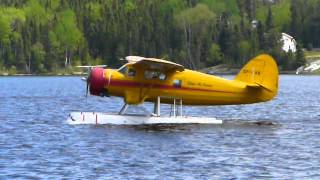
(88,78)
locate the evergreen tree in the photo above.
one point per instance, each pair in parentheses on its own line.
(299,58)
(269,20)
(261,37)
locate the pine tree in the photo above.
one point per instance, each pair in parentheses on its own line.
(261,38)
(299,59)
(269,20)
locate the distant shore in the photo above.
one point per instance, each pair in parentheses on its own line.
(226,70)
(44,74)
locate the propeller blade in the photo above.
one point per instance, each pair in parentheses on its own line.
(87,89)
(84,79)
(88,82)
(88,73)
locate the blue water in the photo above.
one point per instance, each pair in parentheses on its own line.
(36,141)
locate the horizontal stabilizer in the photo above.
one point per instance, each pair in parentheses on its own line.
(256,85)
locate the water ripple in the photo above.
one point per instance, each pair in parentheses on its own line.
(273,140)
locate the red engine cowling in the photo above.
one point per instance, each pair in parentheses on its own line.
(97,81)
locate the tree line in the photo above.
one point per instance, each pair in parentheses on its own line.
(43,36)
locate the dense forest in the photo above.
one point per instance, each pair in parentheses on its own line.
(42,36)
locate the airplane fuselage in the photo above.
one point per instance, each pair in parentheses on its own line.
(194,88)
(146,79)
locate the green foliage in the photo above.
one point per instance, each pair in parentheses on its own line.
(170,6)
(281,13)
(244,49)
(38,36)
(37,56)
(197,17)
(300,58)
(195,23)
(9,16)
(12,14)
(129,6)
(34,11)
(224,6)
(66,29)
(269,20)
(95,11)
(12,70)
(215,56)
(4,31)
(217,6)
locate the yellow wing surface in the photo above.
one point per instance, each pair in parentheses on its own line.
(153,63)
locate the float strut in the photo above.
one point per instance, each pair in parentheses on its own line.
(174,107)
(156,109)
(123,109)
(181,107)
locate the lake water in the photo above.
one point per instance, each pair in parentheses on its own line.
(36,141)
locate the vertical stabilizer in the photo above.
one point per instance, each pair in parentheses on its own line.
(260,71)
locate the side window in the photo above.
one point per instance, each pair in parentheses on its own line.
(177,83)
(148,74)
(162,76)
(131,72)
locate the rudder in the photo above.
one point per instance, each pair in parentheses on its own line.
(260,71)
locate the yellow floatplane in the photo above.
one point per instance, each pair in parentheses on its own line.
(155,80)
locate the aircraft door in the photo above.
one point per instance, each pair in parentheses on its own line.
(132,92)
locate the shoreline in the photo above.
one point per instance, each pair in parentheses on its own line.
(43,74)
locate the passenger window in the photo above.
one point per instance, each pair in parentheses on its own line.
(154,75)
(131,72)
(162,76)
(150,74)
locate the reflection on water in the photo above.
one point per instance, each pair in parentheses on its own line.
(277,139)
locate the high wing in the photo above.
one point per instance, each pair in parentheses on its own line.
(153,63)
(95,66)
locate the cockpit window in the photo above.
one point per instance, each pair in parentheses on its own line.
(131,72)
(150,74)
(123,69)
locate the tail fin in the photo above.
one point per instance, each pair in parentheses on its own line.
(261,71)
